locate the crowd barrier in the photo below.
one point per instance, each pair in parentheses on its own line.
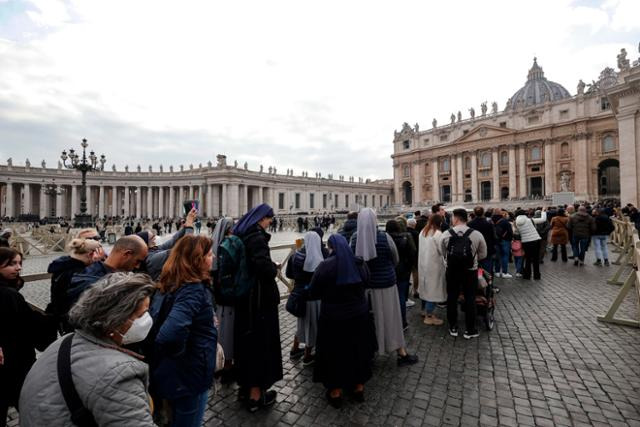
(629,259)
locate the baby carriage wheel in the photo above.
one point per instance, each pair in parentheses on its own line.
(489,319)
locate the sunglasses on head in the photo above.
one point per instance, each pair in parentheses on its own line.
(96,238)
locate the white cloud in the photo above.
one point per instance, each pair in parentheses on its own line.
(296,84)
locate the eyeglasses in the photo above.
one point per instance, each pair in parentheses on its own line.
(96,238)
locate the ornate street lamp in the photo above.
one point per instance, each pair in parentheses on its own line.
(84,164)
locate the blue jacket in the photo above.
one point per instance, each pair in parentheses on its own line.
(83,280)
(382,269)
(185,347)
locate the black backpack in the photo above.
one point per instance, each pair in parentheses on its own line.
(459,253)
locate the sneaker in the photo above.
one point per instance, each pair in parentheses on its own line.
(410,303)
(470,334)
(606,262)
(453,331)
(296,354)
(432,320)
(507,276)
(407,359)
(308,360)
(498,274)
(598,263)
(518,274)
(267,398)
(576,261)
(442,305)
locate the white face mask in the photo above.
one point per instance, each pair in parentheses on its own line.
(138,330)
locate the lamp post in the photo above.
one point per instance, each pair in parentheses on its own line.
(83,164)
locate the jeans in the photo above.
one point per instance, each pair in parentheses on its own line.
(188,411)
(531,259)
(467,280)
(517,261)
(563,250)
(600,243)
(428,306)
(403,294)
(501,261)
(487,264)
(579,246)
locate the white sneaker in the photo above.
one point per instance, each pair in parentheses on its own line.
(410,303)
(498,274)
(518,275)
(507,276)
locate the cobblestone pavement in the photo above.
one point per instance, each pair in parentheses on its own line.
(547,362)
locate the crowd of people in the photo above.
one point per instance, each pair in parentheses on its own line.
(139,333)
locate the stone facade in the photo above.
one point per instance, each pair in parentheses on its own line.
(544,141)
(221,189)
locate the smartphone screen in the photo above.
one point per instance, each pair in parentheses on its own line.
(187,205)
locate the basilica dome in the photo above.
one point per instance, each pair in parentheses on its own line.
(537,90)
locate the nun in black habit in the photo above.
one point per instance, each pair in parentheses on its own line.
(346,341)
(258,354)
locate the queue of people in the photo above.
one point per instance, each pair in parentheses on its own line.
(144,328)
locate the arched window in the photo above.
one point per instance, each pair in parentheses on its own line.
(446,165)
(485,160)
(405,170)
(467,163)
(564,149)
(504,158)
(608,144)
(536,153)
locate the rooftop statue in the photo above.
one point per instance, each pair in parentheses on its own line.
(209,164)
(417,127)
(623,62)
(139,169)
(150,169)
(161,168)
(270,170)
(483,108)
(27,163)
(581,87)
(9,161)
(453,118)
(235,164)
(494,108)
(44,164)
(113,167)
(181,168)
(126,168)
(472,113)
(199,165)
(434,123)
(221,160)
(190,166)
(275,170)
(459,116)
(261,168)
(59,164)
(246,166)
(171,168)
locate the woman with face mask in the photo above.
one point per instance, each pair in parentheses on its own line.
(21,331)
(109,380)
(184,354)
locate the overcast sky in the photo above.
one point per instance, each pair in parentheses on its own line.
(316,86)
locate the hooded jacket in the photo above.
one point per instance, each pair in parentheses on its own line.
(84,279)
(582,225)
(62,269)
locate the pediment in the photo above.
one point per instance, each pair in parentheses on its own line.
(485,132)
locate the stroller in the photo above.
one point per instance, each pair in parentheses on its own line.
(485,299)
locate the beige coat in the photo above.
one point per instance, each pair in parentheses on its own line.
(431,268)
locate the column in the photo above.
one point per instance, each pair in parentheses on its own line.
(581,168)
(495,170)
(90,207)
(460,178)
(628,134)
(548,168)
(522,170)
(58,201)
(243,199)
(26,199)
(127,205)
(150,202)
(417,183)
(161,202)
(225,202)
(114,201)
(474,176)
(101,201)
(454,178)
(233,202)
(215,200)
(138,202)
(180,197)
(43,202)
(209,200)
(435,182)
(172,203)
(74,200)
(513,188)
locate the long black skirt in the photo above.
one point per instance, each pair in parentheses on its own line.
(344,352)
(257,352)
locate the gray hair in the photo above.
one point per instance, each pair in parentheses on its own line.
(110,302)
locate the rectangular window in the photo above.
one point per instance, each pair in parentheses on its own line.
(503,124)
(312,200)
(444,137)
(533,119)
(406,144)
(380,201)
(564,114)
(324,201)
(604,104)
(335,204)
(365,200)
(297,204)
(280,200)
(346,201)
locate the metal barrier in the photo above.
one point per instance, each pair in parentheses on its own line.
(624,235)
(631,281)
